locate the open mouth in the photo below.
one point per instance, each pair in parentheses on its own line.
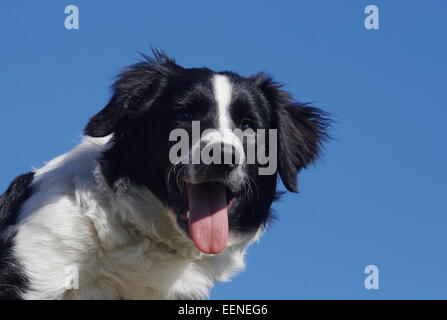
(206,219)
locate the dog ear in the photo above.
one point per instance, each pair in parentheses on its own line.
(136,86)
(301,130)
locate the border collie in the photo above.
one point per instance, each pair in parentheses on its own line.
(114,218)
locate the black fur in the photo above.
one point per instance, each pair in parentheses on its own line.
(12,279)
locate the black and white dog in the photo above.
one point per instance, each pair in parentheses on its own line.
(128,221)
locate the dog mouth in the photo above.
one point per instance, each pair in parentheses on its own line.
(206,218)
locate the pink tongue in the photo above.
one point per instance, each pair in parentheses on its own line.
(208,219)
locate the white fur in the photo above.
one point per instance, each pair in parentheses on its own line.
(125,244)
(222,94)
(223,91)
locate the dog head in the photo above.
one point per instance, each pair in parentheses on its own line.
(188,135)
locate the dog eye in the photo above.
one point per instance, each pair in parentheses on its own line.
(246,124)
(183,116)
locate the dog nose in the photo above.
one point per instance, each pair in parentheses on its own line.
(228,159)
(223,167)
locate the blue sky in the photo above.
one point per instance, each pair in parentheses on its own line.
(378,195)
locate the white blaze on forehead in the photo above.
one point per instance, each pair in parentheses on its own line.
(222,132)
(222,93)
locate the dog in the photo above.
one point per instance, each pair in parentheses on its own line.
(114,218)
